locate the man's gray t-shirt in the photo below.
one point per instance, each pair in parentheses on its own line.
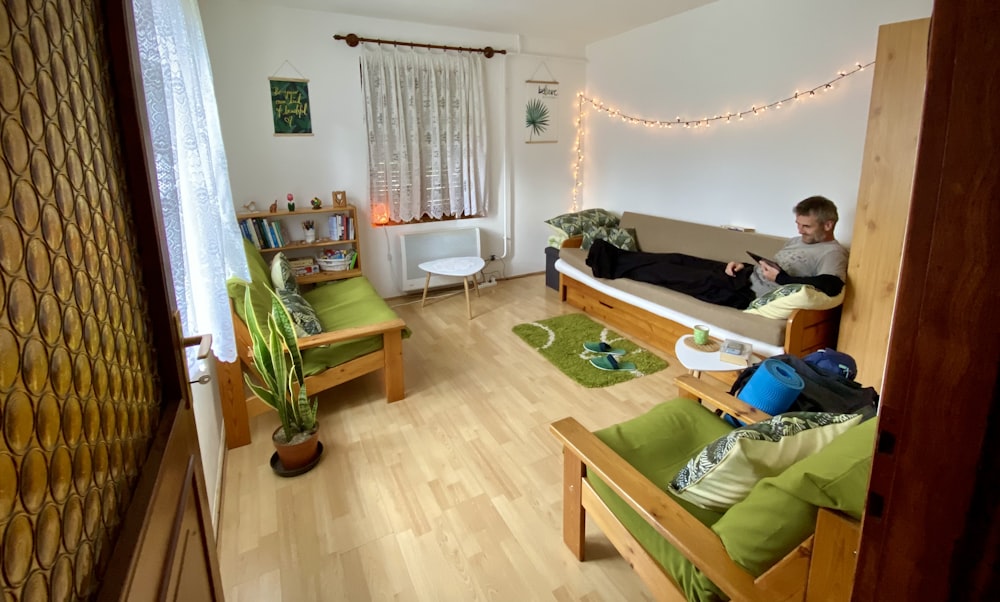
(799,259)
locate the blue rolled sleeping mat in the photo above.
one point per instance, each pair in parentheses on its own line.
(773,388)
(822,390)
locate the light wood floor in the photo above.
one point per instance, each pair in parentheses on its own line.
(451,494)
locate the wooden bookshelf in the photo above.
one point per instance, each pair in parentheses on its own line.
(299,249)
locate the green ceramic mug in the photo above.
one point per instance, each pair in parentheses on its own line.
(701,334)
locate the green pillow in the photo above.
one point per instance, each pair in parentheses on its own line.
(304,316)
(619,237)
(727,469)
(780,512)
(577,223)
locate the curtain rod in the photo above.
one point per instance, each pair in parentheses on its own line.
(353,40)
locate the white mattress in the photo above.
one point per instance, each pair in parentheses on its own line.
(759,347)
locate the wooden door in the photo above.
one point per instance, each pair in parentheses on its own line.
(101,490)
(932,524)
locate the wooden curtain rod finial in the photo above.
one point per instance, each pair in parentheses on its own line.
(353,40)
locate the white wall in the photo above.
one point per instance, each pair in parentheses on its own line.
(248,43)
(728,56)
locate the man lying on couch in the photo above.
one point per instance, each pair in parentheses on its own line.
(814,258)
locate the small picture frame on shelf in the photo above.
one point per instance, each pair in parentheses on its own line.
(339,198)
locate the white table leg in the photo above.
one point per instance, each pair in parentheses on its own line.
(468,301)
(426,284)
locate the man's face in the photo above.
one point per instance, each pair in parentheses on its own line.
(812,230)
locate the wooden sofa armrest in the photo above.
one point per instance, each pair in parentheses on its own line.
(718,398)
(573,242)
(695,541)
(347,334)
(809,330)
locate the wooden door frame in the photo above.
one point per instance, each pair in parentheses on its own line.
(932,524)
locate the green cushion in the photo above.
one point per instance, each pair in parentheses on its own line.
(658,444)
(727,469)
(579,222)
(780,512)
(283,280)
(619,237)
(260,284)
(303,315)
(344,304)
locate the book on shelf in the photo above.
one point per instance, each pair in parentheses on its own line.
(735,352)
(263,233)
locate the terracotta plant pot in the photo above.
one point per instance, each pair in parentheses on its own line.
(296,455)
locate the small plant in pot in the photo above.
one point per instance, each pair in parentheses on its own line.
(278,361)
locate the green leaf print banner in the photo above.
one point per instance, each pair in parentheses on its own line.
(290,106)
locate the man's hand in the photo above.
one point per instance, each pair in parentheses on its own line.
(732,267)
(769,271)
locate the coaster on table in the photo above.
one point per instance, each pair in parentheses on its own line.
(709,347)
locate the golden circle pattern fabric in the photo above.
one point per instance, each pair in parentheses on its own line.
(78,395)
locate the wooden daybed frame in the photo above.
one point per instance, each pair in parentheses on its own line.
(807,330)
(821,568)
(389,358)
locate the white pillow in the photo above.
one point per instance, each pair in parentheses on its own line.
(782,301)
(282,275)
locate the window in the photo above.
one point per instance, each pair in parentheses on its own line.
(426,119)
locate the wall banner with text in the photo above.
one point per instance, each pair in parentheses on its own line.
(541,111)
(290,106)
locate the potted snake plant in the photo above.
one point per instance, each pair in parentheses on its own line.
(278,361)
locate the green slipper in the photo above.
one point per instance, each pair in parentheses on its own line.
(602,347)
(609,362)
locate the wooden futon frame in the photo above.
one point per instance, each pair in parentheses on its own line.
(821,568)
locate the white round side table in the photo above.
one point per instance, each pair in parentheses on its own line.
(700,361)
(459,267)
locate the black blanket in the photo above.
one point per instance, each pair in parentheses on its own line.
(703,279)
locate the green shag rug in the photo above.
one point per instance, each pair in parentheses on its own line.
(560,340)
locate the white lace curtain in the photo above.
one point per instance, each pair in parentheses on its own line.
(426,119)
(191,173)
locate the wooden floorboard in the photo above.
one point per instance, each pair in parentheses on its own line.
(452,493)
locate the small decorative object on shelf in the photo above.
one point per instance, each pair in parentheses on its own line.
(291,202)
(316,203)
(339,198)
(310,230)
(274,206)
(251,207)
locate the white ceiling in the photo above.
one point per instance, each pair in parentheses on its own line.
(580,21)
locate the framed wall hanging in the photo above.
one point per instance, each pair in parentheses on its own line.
(541,111)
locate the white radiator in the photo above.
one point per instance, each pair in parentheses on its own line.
(419,247)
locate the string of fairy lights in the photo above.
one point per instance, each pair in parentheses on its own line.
(754,111)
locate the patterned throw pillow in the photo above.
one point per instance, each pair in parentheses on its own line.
(619,237)
(782,301)
(728,468)
(282,275)
(574,224)
(304,316)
